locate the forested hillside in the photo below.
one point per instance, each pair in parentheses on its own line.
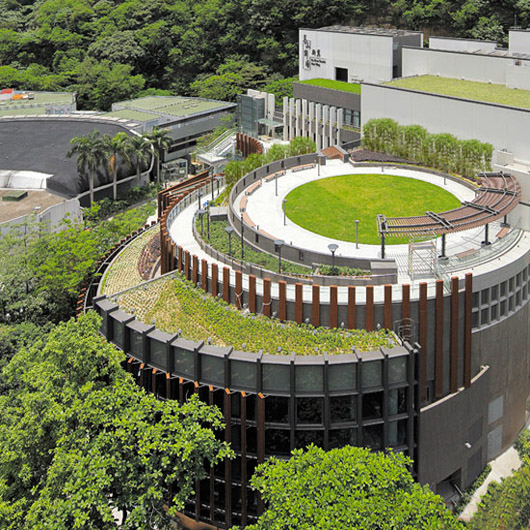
(109,49)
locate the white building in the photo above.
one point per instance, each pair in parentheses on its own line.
(350,54)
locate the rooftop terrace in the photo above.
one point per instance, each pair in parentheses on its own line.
(334,85)
(460,88)
(179,107)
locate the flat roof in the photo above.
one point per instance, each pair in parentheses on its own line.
(37,200)
(41,145)
(473,90)
(129,114)
(177,106)
(380,32)
(39,98)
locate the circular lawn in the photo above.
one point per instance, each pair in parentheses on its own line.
(330,206)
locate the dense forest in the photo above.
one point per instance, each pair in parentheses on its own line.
(108,50)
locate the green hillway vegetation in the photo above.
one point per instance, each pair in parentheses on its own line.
(335,85)
(179,305)
(460,88)
(331,206)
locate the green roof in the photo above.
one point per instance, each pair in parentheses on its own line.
(488,92)
(40,98)
(22,112)
(128,114)
(334,85)
(173,106)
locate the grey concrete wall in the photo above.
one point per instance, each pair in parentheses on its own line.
(445,428)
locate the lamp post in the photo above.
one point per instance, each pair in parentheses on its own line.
(229,230)
(278,244)
(201,212)
(208,220)
(276,185)
(283,206)
(333,248)
(199,198)
(242,246)
(212,185)
(357,233)
(218,179)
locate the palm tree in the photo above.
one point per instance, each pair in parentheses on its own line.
(117,146)
(161,141)
(140,148)
(91,154)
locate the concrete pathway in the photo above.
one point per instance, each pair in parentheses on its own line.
(501,467)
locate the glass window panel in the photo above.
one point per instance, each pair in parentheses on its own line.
(309,378)
(276,377)
(343,408)
(117,335)
(373,436)
(484,296)
(503,289)
(397,370)
(305,438)
(475,299)
(277,441)
(494,291)
(397,432)
(342,437)
(503,308)
(309,410)
(212,369)
(372,405)
(342,376)
(493,312)
(158,352)
(243,374)
(484,317)
(372,374)
(397,401)
(184,362)
(277,409)
(136,343)
(236,437)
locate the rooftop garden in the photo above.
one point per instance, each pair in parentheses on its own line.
(460,88)
(355,88)
(176,304)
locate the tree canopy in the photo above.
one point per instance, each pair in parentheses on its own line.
(350,487)
(80,440)
(110,50)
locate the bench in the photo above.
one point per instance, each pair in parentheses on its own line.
(272,176)
(253,188)
(247,220)
(267,234)
(243,203)
(303,168)
(503,232)
(467,253)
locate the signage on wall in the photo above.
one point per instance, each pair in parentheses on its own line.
(311,57)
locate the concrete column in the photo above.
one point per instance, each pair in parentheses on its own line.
(332,124)
(298,111)
(311,117)
(352,320)
(304,116)
(285,118)
(316,305)
(226,284)
(340,116)
(267,297)
(325,119)
(299,303)
(204,275)
(271,104)
(318,119)
(333,307)
(291,119)
(215,279)
(251,293)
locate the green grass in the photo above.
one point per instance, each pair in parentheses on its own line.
(199,316)
(330,206)
(219,241)
(335,85)
(492,93)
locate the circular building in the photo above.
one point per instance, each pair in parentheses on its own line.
(438,370)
